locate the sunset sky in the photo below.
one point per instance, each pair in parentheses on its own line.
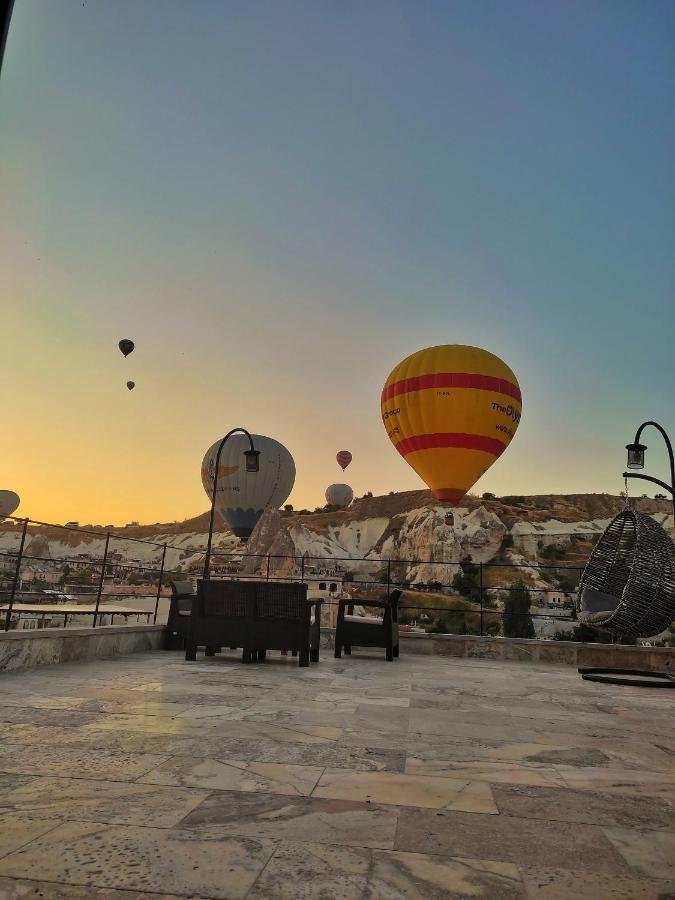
(278,201)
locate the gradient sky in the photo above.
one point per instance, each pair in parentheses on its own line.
(278,201)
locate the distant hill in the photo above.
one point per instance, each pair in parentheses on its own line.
(410,525)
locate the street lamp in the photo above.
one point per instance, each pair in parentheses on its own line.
(636,460)
(636,456)
(252,465)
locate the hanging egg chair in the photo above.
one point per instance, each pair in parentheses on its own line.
(628,585)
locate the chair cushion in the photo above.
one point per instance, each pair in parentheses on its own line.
(364,620)
(593,602)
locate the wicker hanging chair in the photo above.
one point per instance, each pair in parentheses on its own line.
(628,588)
(628,585)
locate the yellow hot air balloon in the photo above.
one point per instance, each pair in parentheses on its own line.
(450,411)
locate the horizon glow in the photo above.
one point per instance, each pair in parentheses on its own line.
(279,202)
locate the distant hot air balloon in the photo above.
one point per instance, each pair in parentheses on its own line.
(8,503)
(450,411)
(339,494)
(126,346)
(242,497)
(344,457)
(131,385)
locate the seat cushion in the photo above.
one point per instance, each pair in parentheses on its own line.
(593,602)
(364,620)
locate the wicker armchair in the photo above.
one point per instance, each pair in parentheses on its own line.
(368,631)
(177,626)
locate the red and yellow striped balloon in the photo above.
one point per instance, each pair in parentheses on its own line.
(450,411)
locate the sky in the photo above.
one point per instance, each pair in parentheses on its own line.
(278,201)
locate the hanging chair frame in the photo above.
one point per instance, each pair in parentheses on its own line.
(634,560)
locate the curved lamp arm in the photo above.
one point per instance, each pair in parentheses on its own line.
(207,557)
(668,487)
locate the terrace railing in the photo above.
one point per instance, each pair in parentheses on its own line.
(89,577)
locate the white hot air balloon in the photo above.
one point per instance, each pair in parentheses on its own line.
(8,503)
(339,494)
(241,496)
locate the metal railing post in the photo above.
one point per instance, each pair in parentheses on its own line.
(302,569)
(388,577)
(159,586)
(480,588)
(17,573)
(101,579)
(267,576)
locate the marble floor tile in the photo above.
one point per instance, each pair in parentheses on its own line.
(96,801)
(142,859)
(68,762)
(421,877)
(563,884)
(498,772)
(295,819)
(17,830)
(235,775)
(584,807)
(140,705)
(34,716)
(334,697)
(25,889)
(507,838)
(650,854)
(300,733)
(406,790)
(620,781)
(213,711)
(347,873)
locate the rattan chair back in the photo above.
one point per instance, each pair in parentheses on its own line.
(634,561)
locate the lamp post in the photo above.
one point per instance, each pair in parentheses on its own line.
(252,465)
(636,460)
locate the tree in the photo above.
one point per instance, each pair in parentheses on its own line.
(516,618)
(288,508)
(489,496)
(660,497)
(465,581)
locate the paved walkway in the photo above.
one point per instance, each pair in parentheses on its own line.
(424,778)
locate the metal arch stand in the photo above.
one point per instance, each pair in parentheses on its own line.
(639,677)
(631,677)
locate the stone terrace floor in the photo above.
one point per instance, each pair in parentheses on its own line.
(427,778)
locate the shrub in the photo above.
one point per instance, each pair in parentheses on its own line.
(516,619)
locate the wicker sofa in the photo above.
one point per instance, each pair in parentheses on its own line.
(257,616)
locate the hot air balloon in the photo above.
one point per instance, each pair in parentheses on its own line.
(344,457)
(339,494)
(450,411)
(8,503)
(131,385)
(241,496)
(126,346)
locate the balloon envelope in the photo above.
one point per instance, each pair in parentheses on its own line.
(343,457)
(339,494)
(241,496)
(451,411)
(8,503)
(126,346)
(131,385)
